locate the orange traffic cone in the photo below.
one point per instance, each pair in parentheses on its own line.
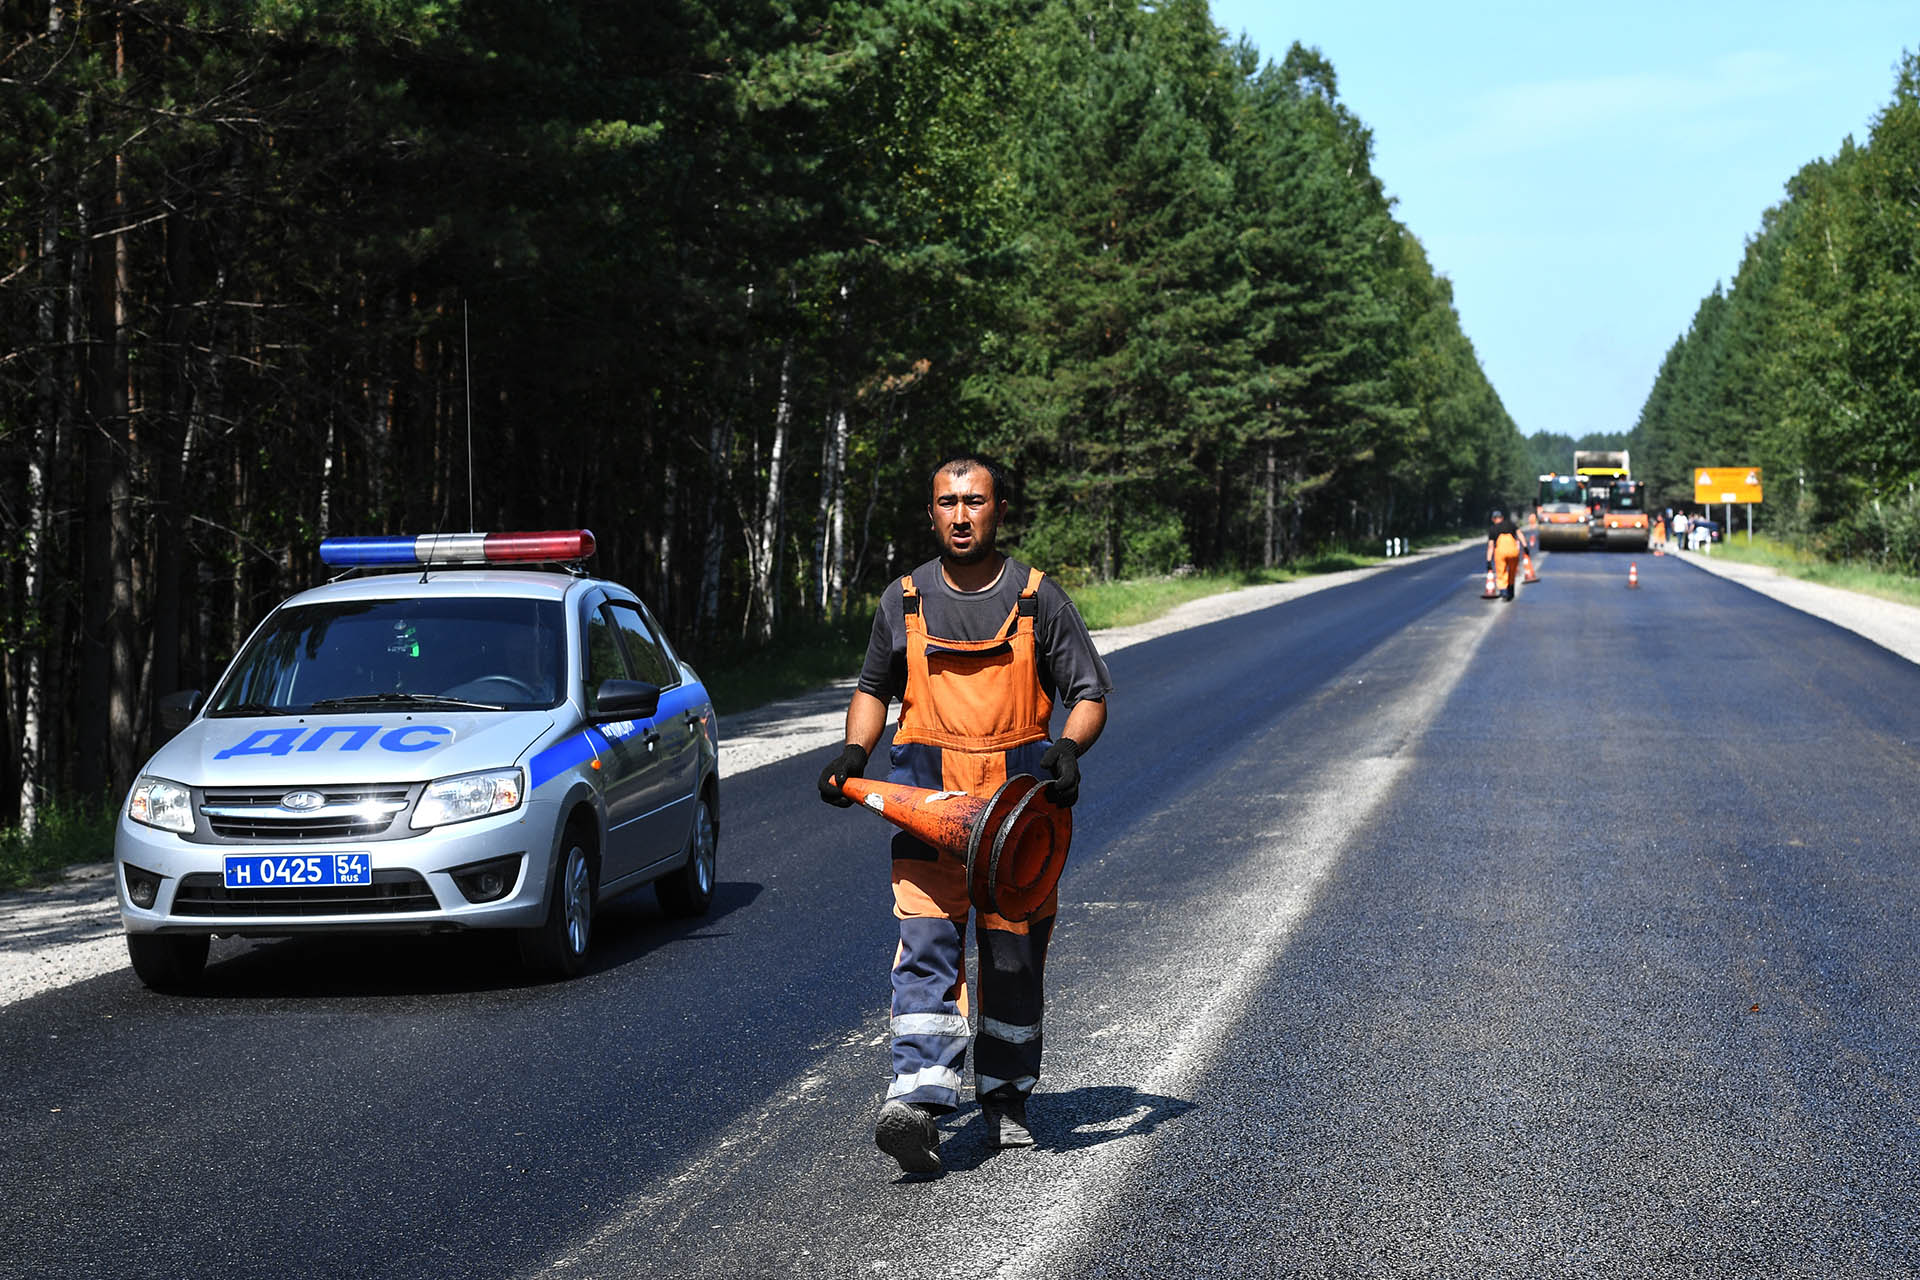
(1633,575)
(1014,841)
(1491,592)
(1526,563)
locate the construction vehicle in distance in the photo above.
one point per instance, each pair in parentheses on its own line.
(1600,506)
(1617,503)
(1560,513)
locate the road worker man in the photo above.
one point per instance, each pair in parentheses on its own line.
(1503,553)
(978,647)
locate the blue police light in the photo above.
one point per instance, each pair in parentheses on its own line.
(448,549)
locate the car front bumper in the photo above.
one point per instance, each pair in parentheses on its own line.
(414,890)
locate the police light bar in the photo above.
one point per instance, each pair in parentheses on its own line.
(449,549)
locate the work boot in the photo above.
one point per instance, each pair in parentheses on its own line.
(1007,1121)
(907,1133)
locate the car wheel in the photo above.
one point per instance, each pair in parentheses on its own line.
(688,890)
(166,961)
(557,946)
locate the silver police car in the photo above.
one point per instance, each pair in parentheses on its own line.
(444,748)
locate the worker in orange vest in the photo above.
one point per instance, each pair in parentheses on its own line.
(1503,553)
(978,648)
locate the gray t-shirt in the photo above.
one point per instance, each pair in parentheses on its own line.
(1071,669)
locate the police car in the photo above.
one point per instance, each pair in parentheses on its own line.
(446,748)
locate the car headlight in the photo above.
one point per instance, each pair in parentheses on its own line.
(159,803)
(473,795)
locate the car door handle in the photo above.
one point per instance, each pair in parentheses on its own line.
(652,739)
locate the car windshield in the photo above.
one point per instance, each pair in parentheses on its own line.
(494,654)
(1625,497)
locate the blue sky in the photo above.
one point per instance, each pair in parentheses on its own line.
(1585,174)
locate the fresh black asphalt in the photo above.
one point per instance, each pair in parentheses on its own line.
(1616,977)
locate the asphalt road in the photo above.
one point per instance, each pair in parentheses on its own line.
(1405,934)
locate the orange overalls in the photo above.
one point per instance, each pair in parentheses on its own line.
(973,714)
(1506,562)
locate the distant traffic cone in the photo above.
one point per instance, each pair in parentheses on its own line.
(1491,592)
(1633,575)
(1526,563)
(1014,841)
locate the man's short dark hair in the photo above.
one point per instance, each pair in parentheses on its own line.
(961,463)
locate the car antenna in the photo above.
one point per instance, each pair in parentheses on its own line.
(466,372)
(466,369)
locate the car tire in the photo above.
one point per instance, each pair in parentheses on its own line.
(688,890)
(168,962)
(557,947)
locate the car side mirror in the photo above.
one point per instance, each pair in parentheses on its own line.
(625,700)
(176,710)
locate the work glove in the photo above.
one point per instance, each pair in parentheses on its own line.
(850,763)
(1062,760)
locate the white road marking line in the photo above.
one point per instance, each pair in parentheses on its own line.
(1054,1210)
(1302,857)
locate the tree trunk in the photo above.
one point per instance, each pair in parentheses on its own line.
(713,552)
(766,541)
(823,521)
(102,705)
(172,455)
(829,570)
(1296,513)
(1270,546)
(37,549)
(873,490)
(837,564)
(663,591)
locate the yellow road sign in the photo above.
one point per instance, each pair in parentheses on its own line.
(1726,484)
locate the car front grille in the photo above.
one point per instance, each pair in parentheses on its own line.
(345,813)
(204,893)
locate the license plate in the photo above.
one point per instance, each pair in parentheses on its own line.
(297,870)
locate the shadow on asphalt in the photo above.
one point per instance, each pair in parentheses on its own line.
(626,929)
(1069,1121)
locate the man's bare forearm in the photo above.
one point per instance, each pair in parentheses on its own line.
(1085,722)
(866,720)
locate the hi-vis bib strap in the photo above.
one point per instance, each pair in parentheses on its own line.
(974,695)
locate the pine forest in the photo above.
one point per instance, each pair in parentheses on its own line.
(721,281)
(1807,365)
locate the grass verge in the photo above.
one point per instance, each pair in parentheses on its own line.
(741,677)
(1802,564)
(67,834)
(1123,604)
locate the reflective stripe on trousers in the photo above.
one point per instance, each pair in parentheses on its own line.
(930,1006)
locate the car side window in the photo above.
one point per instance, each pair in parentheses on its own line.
(604,661)
(649,662)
